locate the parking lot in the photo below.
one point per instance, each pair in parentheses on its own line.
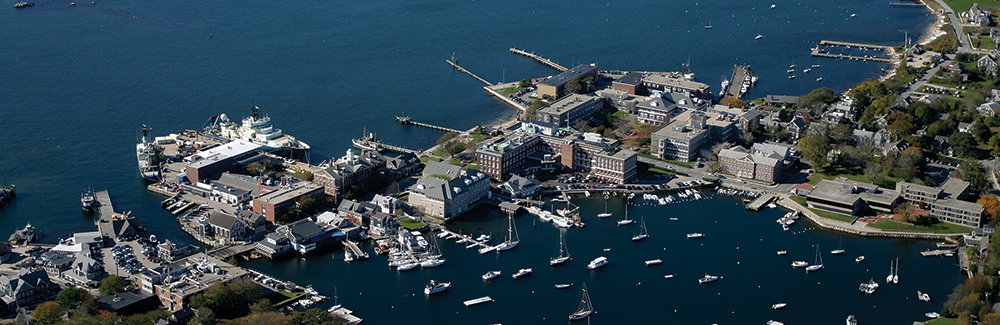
(130,257)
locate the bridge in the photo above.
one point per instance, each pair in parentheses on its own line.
(539,58)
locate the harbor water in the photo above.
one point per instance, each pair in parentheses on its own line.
(78,82)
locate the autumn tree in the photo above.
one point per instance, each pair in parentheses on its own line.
(731,102)
(991,204)
(49,312)
(814,148)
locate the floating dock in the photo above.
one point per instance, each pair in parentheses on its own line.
(823,53)
(539,58)
(740,72)
(906,4)
(406,120)
(760,202)
(477,301)
(106,210)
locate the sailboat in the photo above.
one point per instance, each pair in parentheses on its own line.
(709,26)
(511,239)
(839,249)
(895,275)
(892,273)
(336,304)
(605,214)
(818,264)
(625,221)
(641,234)
(584,308)
(563,253)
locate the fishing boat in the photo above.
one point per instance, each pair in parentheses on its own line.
(695,235)
(490,275)
(584,308)
(817,262)
(779,305)
(800,263)
(477,301)
(512,238)
(563,285)
(654,262)
(563,256)
(859,259)
(868,288)
(641,234)
(782,252)
(258,129)
(88,201)
(597,262)
(148,155)
(435,287)
(708,278)
(521,273)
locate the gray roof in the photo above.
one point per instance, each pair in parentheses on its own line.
(750,114)
(767,149)
(760,160)
(954,186)
(780,99)
(122,299)
(841,191)
(517,182)
(88,237)
(632,78)
(443,169)
(798,122)
(85,264)
(222,220)
(959,204)
(305,229)
(568,75)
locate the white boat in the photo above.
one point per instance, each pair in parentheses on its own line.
(868,288)
(819,79)
(792,66)
(407,266)
(431,262)
(922,296)
(563,285)
(625,220)
(148,155)
(817,263)
(759,36)
(852,16)
(87,200)
(779,305)
(605,214)
(816,66)
(695,235)
(791,71)
(563,253)
(782,252)
(257,129)
(774,322)
(772,205)
(806,70)
(487,249)
(477,301)
(521,273)
(490,275)
(791,77)
(892,272)
(654,262)
(512,238)
(895,275)
(641,234)
(435,287)
(668,276)
(851,320)
(597,262)
(859,259)
(584,308)
(772,6)
(837,252)
(932,315)
(483,237)
(348,257)
(800,263)
(708,278)
(673,219)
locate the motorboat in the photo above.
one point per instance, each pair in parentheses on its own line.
(791,77)
(668,276)
(759,36)
(774,322)
(695,235)
(563,285)
(859,259)
(800,263)
(779,305)
(431,262)
(819,79)
(604,215)
(708,278)
(521,273)
(782,252)
(435,287)
(88,201)
(837,252)
(932,315)
(772,6)
(851,320)
(654,262)
(923,296)
(597,262)
(868,288)
(490,275)
(584,308)
(477,301)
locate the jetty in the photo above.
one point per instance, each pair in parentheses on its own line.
(760,202)
(905,4)
(406,120)
(820,52)
(462,70)
(353,247)
(740,73)
(539,58)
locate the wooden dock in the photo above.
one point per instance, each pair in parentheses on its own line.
(539,58)
(462,70)
(740,72)
(760,202)
(353,247)
(406,120)
(849,57)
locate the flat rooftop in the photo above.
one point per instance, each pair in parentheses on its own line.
(567,103)
(568,75)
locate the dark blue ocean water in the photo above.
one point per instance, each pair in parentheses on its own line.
(76,82)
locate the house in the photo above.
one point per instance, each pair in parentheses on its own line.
(26,288)
(988,109)
(781,101)
(170,251)
(306,235)
(841,112)
(335,220)
(254,222)
(447,190)
(989,62)
(386,204)
(520,187)
(226,228)
(273,245)
(796,127)
(852,198)
(401,166)
(125,228)
(55,262)
(383,224)
(84,271)
(966,127)
(979,16)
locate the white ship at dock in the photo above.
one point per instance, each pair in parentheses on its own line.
(258,129)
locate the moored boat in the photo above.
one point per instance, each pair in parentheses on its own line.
(695,235)
(584,308)
(859,259)
(521,273)
(779,305)
(435,287)
(563,285)
(782,252)
(258,129)
(597,262)
(708,278)
(148,155)
(490,275)
(477,301)
(654,262)
(88,201)
(800,263)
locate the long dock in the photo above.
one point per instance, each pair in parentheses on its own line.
(539,58)
(406,120)
(906,4)
(760,202)
(823,53)
(462,70)
(740,72)
(106,210)
(859,45)
(353,247)
(817,53)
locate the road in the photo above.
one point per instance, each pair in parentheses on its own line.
(956,23)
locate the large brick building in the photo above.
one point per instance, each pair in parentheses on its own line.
(349,170)
(743,163)
(555,87)
(277,197)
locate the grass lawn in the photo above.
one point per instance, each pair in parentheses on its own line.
(941,228)
(410,223)
(426,159)
(511,90)
(986,43)
(404,196)
(825,214)
(943,321)
(440,152)
(688,164)
(801,200)
(665,171)
(471,166)
(854,175)
(964,5)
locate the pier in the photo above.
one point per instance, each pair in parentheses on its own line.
(106,210)
(406,120)
(462,70)
(740,74)
(760,202)
(539,58)
(353,247)
(818,52)
(905,4)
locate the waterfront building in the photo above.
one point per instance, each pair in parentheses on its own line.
(348,171)
(675,83)
(741,162)
(170,251)
(401,166)
(383,224)
(979,16)
(781,100)
(620,100)
(447,191)
(84,271)
(520,187)
(55,262)
(358,213)
(852,198)
(944,201)
(274,201)
(170,285)
(306,235)
(26,288)
(630,83)
(568,110)
(335,220)
(205,164)
(501,156)
(680,138)
(273,245)
(658,108)
(92,238)
(229,194)
(125,228)
(254,222)
(225,228)
(555,87)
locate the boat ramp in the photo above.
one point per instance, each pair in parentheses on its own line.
(760,202)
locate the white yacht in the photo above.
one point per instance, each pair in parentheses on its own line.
(800,263)
(779,305)
(654,262)
(435,287)
(759,36)
(490,275)
(868,288)
(257,129)
(708,278)
(774,322)
(407,266)
(641,234)
(695,235)
(817,263)
(563,285)
(851,320)
(521,273)
(859,259)
(597,262)
(932,315)
(431,262)
(837,252)
(584,308)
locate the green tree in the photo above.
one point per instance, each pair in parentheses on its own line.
(814,148)
(923,113)
(975,174)
(454,147)
(112,284)
(994,144)
(313,316)
(49,312)
(819,97)
(963,144)
(447,137)
(902,127)
(981,132)
(842,134)
(525,83)
(534,107)
(69,297)
(262,306)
